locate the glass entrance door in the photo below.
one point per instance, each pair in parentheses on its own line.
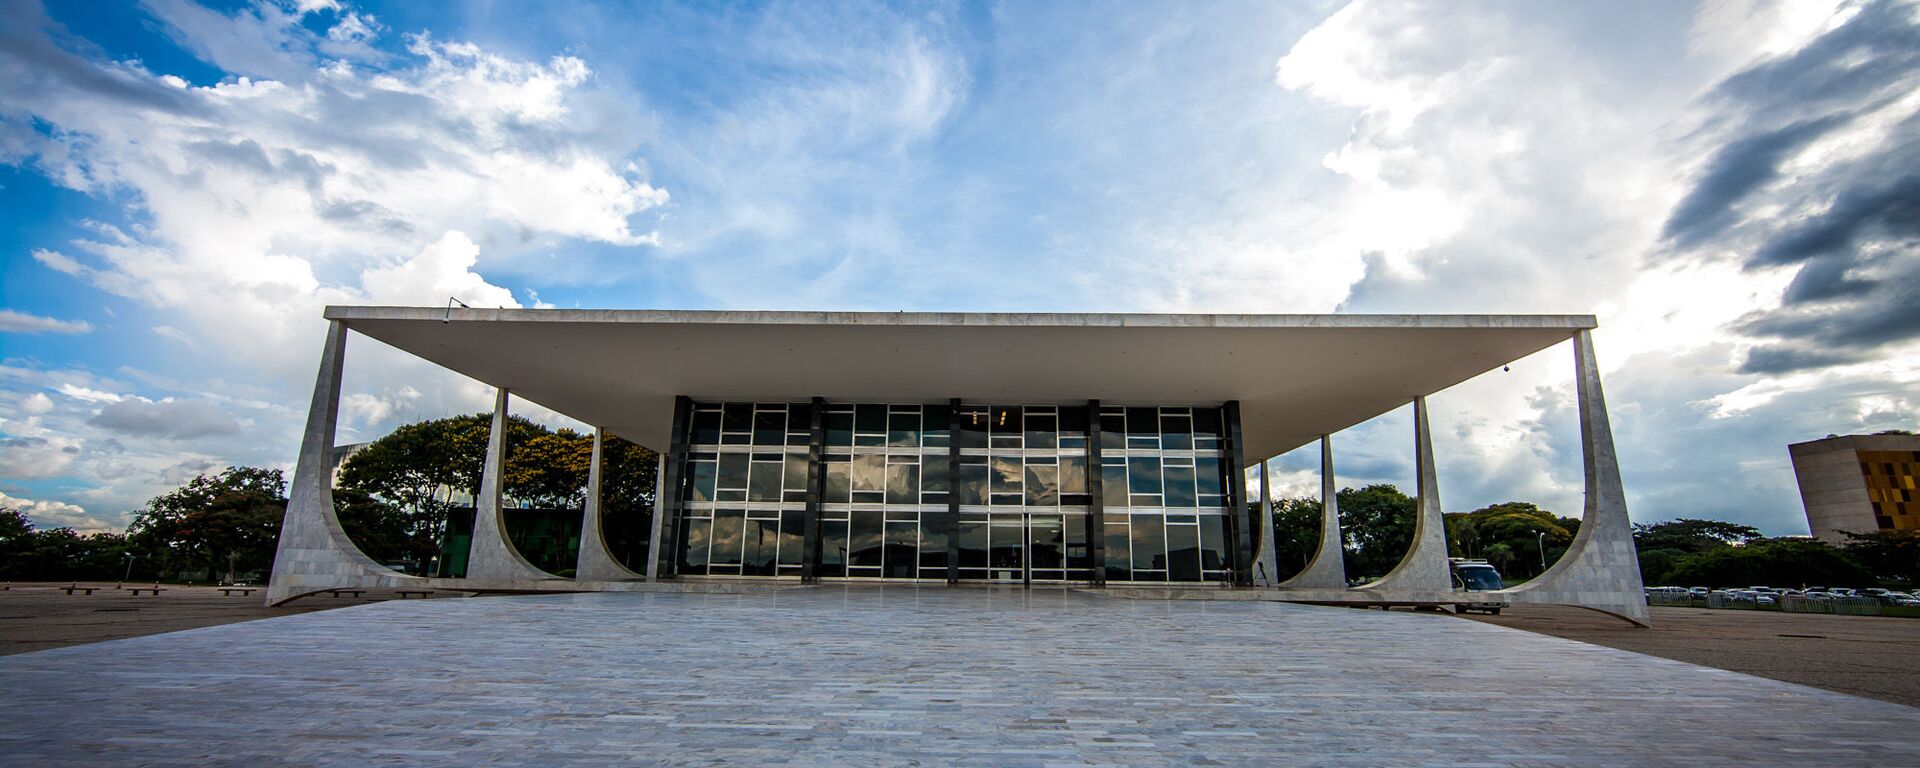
(1046,548)
(1007,548)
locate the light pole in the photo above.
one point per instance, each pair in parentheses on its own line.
(128,574)
(1540,540)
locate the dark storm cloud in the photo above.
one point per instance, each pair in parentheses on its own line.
(1789,357)
(1739,168)
(1867,212)
(1842,69)
(1852,226)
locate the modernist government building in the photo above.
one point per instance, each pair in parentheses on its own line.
(1096,451)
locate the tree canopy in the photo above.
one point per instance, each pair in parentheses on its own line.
(213,522)
(1692,536)
(408,481)
(1772,562)
(1516,536)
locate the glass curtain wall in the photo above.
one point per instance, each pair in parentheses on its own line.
(744,505)
(1163,482)
(1021,487)
(885,501)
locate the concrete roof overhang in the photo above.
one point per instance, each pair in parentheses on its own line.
(1296,376)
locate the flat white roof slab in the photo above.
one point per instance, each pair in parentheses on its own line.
(1296,376)
(899,676)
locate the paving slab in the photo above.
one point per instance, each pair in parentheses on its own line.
(907,676)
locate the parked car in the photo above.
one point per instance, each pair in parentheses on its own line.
(1476,576)
(1890,597)
(1841,592)
(1875,591)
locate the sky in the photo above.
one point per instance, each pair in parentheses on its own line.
(1731,187)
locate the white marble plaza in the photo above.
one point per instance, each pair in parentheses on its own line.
(906,676)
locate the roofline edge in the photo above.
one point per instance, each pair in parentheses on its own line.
(977,319)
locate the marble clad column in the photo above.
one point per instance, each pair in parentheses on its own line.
(1266,569)
(491,556)
(1424,569)
(314,552)
(659,518)
(596,562)
(1601,569)
(1328,568)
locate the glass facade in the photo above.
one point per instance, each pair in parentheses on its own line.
(1164,485)
(977,492)
(743,507)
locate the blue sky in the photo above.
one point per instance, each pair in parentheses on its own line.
(1730,187)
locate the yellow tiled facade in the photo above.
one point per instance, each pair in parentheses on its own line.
(1892,477)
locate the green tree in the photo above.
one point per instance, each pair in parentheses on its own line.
(1656,566)
(379,529)
(16,541)
(1691,536)
(1377,522)
(416,472)
(1499,555)
(627,479)
(412,477)
(1776,562)
(1523,528)
(1664,546)
(212,521)
(550,469)
(1891,555)
(1296,535)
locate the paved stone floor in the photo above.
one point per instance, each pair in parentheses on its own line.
(899,676)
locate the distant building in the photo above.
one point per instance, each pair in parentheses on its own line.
(1858,483)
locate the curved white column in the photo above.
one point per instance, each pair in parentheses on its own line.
(1601,570)
(1328,568)
(596,562)
(1424,569)
(1266,565)
(314,553)
(491,556)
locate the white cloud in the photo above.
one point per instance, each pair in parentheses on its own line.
(28,458)
(366,409)
(36,404)
(88,395)
(322,173)
(442,269)
(22,322)
(59,262)
(175,335)
(284,209)
(55,514)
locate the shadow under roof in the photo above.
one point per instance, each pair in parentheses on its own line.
(1296,376)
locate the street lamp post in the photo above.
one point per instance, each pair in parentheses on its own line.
(128,574)
(1540,540)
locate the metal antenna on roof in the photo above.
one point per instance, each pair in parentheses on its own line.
(450,302)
